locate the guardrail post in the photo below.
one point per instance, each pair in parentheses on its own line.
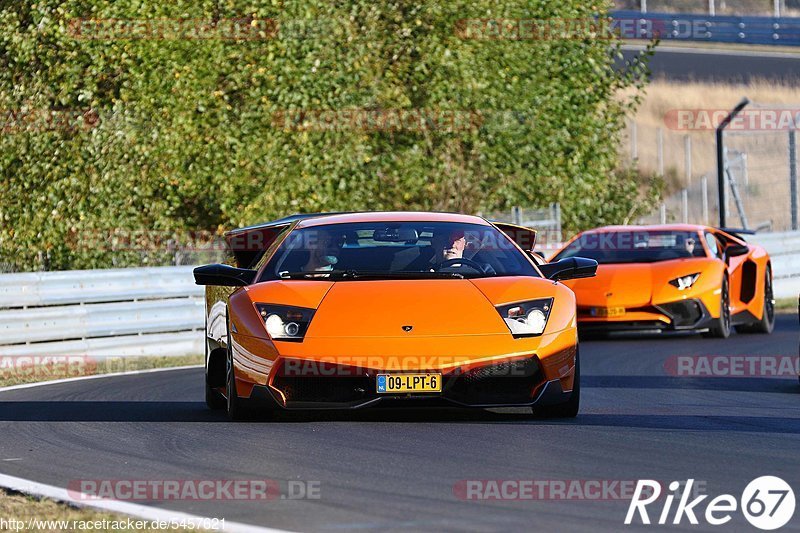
(634,147)
(663,213)
(711,8)
(660,142)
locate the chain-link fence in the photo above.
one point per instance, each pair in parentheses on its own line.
(759,162)
(546,221)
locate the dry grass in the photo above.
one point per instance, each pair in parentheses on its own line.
(767,152)
(18,370)
(55,517)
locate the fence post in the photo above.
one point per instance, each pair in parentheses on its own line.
(685,205)
(721,159)
(663,213)
(687,149)
(634,147)
(704,182)
(660,142)
(793,176)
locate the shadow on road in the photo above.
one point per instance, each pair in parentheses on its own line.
(120,411)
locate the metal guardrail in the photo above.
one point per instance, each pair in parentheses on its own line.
(118,312)
(784,250)
(783,31)
(159,310)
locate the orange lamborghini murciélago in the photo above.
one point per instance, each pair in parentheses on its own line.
(357,309)
(672,277)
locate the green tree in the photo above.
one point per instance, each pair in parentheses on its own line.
(209,134)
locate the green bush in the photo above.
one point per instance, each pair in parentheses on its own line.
(208,134)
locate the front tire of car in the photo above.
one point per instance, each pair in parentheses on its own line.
(568,409)
(767,322)
(721,328)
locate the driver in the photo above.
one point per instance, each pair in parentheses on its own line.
(324,254)
(451,246)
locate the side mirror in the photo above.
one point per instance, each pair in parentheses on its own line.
(735,250)
(570,268)
(223,275)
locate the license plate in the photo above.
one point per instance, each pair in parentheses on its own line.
(400,383)
(608,311)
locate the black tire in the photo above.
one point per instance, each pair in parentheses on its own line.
(568,409)
(721,328)
(237,407)
(767,322)
(214,399)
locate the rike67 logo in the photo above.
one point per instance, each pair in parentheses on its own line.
(767,503)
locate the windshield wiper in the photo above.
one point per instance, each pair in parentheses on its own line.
(369,274)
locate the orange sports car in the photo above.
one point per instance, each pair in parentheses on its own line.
(672,277)
(351,310)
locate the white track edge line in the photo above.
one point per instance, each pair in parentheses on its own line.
(95,376)
(715,51)
(142,511)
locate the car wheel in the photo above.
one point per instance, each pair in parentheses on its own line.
(767,322)
(237,408)
(568,409)
(214,399)
(721,328)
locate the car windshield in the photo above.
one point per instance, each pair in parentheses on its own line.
(402,250)
(634,246)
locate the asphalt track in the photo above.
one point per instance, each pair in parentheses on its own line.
(731,66)
(393,470)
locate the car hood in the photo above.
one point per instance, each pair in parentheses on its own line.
(384,308)
(631,285)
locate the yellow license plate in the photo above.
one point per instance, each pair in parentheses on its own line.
(400,383)
(608,311)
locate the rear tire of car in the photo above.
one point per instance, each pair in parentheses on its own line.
(721,328)
(767,322)
(214,398)
(237,407)
(568,409)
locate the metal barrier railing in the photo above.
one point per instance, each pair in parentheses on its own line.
(783,31)
(133,311)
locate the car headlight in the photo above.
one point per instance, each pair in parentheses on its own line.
(284,322)
(526,319)
(684,282)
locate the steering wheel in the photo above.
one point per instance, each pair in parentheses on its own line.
(474,265)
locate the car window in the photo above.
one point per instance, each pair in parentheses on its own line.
(634,246)
(713,245)
(398,249)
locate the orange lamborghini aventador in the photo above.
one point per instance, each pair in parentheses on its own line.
(672,277)
(358,309)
